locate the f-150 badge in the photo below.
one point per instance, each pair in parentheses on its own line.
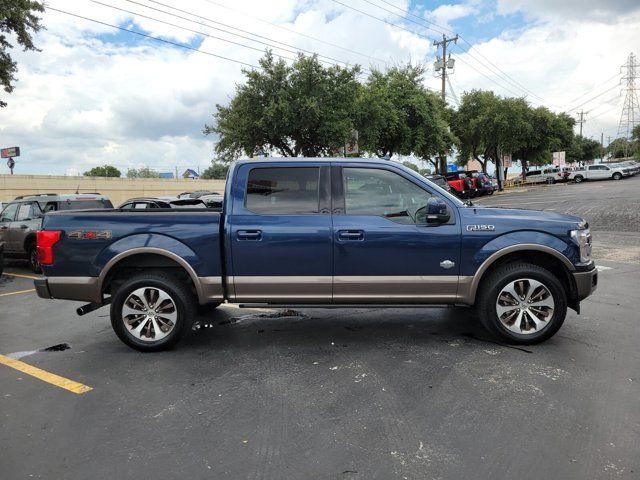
(480,228)
(90,234)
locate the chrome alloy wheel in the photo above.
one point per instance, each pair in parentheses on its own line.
(149,314)
(525,306)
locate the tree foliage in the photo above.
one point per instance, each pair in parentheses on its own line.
(19,19)
(143,172)
(619,148)
(103,171)
(486,125)
(303,109)
(217,171)
(398,115)
(583,149)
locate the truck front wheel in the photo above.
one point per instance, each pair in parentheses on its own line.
(522,303)
(152,311)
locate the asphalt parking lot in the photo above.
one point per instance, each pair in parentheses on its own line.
(337,394)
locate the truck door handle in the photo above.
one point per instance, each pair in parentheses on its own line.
(351,235)
(249,234)
(24,226)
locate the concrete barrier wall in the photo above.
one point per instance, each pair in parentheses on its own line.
(117,189)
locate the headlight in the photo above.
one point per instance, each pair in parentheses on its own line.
(582,238)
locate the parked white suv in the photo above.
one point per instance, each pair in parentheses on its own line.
(599,172)
(548,175)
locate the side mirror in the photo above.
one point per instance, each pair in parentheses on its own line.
(437,211)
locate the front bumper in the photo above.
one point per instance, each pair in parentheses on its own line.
(586,283)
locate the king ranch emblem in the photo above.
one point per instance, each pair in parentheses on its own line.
(480,228)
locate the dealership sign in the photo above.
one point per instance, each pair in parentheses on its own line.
(10,152)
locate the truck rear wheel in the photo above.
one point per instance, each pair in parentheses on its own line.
(152,312)
(522,303)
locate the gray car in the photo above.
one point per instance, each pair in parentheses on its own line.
(21,218)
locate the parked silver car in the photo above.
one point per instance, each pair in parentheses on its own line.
(21,218)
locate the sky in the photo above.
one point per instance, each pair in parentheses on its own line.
(99,95)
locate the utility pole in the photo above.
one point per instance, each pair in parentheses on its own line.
(631,109)
(581,121)
(441,65)
(601,147)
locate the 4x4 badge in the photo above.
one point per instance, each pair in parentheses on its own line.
(90,234)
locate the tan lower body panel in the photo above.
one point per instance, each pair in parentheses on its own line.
(281,289)
(346,289)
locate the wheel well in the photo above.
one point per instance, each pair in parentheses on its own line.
(30,240)
(542,259)
(144,262)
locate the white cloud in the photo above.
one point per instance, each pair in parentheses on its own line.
(443,15)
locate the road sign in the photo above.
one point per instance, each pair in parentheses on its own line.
(351,145)
(10,152)
(506,160)
(559,158)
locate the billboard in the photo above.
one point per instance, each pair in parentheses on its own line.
(10,152)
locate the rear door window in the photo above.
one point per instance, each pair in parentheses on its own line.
(84,204)
(281,191)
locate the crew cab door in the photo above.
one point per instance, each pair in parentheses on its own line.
(6,217)
(598,172)
(381,254)
(27,221)
(280,233)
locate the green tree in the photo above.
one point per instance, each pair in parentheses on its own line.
(217,171)
(19,19)
(546,132)
(619,148)
(303,109)
(471,123)
(398,115)
(412,166)
(143,172)
(583,149)
(103,171)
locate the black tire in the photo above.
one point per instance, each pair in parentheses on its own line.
(491,287)
(185,306)
(490,192)
(578,178)
(617,176)
(1,261)
(34,264)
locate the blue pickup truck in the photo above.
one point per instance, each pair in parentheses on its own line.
(318,233)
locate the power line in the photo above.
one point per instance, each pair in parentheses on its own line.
(592,89)
(196,31)
(281,27)
(592,98)
(169,42)
(225,25)
(496,70)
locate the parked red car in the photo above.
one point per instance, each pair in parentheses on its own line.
(462,184)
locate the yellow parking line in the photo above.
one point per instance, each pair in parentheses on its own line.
(19,275)
(16,293)
(45,376)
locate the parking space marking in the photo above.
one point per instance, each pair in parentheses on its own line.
(20,275)
(45,376)
(16,293)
